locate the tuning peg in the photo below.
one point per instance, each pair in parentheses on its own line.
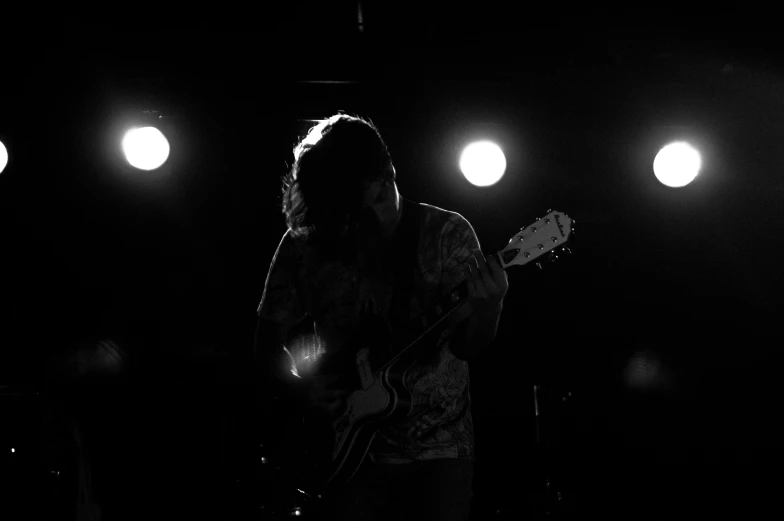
(567,251)
(549,210)
(539,265)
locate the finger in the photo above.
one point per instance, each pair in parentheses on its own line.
(484,284)
(481,263)
(470,279)
(479,285)
(497,272)
(482,289)
(495,268)
(492,264)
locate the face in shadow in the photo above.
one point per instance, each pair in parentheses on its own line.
(376,220)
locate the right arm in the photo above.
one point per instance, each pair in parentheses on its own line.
(279,311)
(274,363)
(315,394)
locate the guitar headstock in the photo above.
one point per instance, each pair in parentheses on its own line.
(536,241)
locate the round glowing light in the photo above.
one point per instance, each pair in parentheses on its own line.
(677,164)
(3,157)
(483,163)
(145,148)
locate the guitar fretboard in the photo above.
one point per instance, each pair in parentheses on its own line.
(446,305)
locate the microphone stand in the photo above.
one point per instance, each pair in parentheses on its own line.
(548,504)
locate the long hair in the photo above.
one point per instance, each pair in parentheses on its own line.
(335,160)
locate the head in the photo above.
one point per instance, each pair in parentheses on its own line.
(342,175)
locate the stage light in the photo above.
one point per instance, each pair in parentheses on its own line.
(3,157)
(677,164)
(483,163)
(145,148)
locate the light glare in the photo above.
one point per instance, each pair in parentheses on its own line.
(483,163)
(3,157)
(677,164)
(304,352)
(646,372)
(145,148)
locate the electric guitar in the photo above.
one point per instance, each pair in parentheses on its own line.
(335,448)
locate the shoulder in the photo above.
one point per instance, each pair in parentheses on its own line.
(435,217)
(290,249)
(291,242)
(285,245)
(449,230)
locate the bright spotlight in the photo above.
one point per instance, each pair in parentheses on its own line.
(145,148)
(677,164)
(483,163)
(3,157)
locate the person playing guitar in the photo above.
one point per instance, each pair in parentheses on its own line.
(360,266)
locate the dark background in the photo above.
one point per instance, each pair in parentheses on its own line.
(581,99)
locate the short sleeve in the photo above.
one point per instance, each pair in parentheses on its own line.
(280,301)
(458,242)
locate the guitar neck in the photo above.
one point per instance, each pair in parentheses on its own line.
(447,306)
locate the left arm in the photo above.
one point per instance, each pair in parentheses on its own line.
(487,286)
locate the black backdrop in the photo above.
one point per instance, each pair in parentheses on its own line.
(172,271)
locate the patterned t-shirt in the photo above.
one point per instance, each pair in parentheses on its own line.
(348,295)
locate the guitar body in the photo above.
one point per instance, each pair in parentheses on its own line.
(386,401)
(335,448)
